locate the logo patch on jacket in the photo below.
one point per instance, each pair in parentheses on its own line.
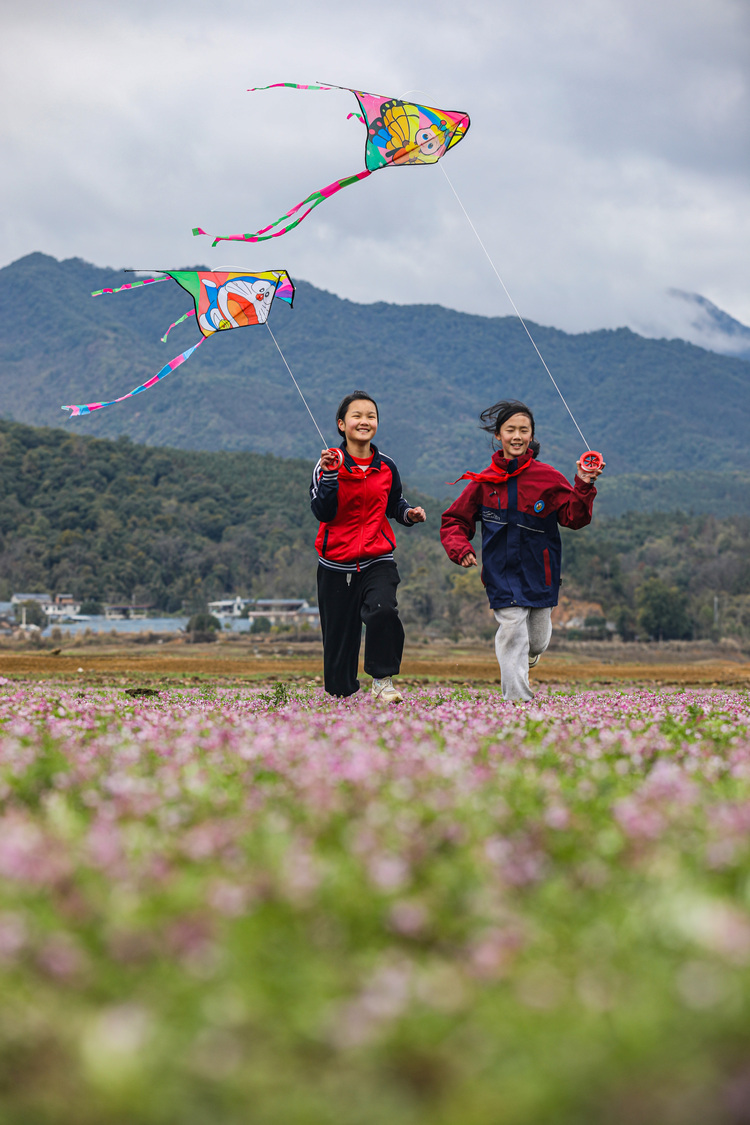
(539,506)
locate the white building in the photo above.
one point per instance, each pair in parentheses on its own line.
(285,611)
(228,607)
(279,611)
(44,600)
(64,605)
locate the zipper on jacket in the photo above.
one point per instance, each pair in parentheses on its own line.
(362,519)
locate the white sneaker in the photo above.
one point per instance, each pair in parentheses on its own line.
(534,660)
(384,690)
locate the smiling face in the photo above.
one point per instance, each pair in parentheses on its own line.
(431,143)
(360,423)
(514,435)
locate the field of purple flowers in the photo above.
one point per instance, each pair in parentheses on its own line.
(232,906)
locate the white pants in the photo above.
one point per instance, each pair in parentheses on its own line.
(521,632)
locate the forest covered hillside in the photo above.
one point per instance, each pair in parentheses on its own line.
(116,521)
(663,410)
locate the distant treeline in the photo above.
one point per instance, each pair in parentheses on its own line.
(665,575)
(115,521)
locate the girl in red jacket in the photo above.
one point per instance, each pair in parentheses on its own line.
(357,575)
(520,502)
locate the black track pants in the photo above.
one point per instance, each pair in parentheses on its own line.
(369,598)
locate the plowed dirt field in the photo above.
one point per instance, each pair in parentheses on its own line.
(230,663)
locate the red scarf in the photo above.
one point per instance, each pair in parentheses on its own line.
(493,474)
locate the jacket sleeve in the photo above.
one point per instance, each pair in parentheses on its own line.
(575,510)
(460,521)
(397,506)
(324,494)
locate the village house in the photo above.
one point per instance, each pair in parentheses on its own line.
(42,600)
(228,607)
(285,611)
(64,605)
(127,612)
(279,611)
(55,608)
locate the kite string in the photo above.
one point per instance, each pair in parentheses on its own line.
(513,303)
(309,411)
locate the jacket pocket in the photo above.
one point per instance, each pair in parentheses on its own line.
(547,568)
(390,542)
(325,543)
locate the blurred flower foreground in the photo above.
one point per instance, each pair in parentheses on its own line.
(244,906)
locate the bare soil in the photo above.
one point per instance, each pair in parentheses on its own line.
(232,661)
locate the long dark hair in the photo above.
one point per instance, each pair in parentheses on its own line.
(348,400)
(494,417)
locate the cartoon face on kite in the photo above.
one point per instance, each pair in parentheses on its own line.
(431,143)
(238,303)
(222,301)
(398,133)
(408,134)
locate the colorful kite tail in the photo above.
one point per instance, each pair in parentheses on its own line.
(178,321)
(90,407)
(131,285)
(292,86)
(314,199)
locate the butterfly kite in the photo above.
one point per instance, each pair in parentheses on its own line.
(222,301)
(398,132)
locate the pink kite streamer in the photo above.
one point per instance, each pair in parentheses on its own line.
(90,407)
(178,321)
(292,86)
(314,199)
(131,285)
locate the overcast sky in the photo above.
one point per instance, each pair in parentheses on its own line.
(608,158)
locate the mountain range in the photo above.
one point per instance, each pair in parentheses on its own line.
(671,418)
(711,327)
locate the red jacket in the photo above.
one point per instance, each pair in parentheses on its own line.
(521,549)
(353,505)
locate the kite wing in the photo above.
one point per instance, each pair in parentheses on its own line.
(231,299)
(398,132)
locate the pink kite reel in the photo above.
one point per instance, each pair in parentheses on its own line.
(339,456)
(591,461)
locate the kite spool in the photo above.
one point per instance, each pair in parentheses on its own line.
(339,456)
(591,461)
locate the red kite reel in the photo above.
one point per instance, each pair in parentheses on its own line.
(591,461)
(340,456)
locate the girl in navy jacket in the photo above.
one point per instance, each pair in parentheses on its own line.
(520,502)
(357,574)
